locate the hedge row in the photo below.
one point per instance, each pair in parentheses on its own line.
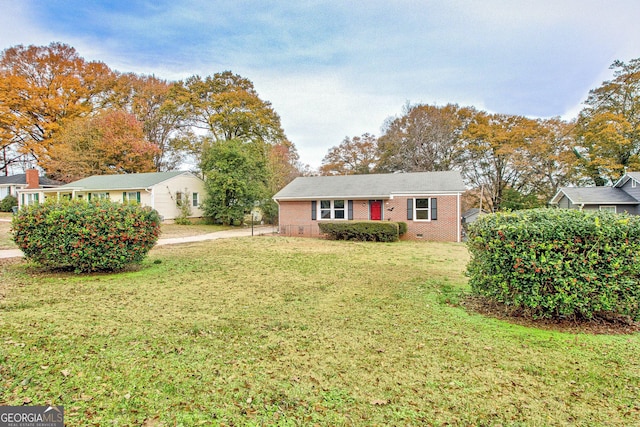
(371,231)
(86,236)
(558,263)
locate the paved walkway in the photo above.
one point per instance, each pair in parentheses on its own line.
(238,232)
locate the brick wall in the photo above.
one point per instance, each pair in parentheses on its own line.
(295,218)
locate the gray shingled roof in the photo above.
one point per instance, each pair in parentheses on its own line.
(595,196)
(629,175)
(21,179)
(122,182)
(371,186)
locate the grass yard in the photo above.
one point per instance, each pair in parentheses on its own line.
(289,332)
(5,231)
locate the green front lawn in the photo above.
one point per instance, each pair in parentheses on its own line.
(6,241)
(284,331)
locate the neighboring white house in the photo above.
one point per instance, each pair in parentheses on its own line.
(162,191)
(9,185)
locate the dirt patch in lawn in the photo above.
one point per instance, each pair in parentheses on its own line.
(609,325)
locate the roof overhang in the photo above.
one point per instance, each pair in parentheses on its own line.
(368,196)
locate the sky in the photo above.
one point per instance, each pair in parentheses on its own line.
(335,69)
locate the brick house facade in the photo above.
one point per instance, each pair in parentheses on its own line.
(428,202)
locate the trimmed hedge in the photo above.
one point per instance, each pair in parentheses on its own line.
(86,236)
(368,231)
(558,263)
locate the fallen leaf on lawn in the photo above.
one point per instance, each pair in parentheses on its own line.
(65,372)
(26,400)
(152,422)
(379,402)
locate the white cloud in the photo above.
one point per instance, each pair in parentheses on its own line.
(334,69)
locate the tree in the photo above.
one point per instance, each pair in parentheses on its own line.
(41,87)
(494,152)
(550,156)
(236,180)
(608,128)
(228,107)
(110,143)
(357,155)
(425,138)
(153,102)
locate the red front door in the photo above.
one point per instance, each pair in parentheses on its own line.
(375,210)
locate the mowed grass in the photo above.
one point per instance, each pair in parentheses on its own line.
(6,241)
(292,332)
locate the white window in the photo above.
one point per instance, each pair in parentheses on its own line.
(30,198)
(194,198)
(131,196)
(95,196)
(333,209)
(608,209)
(422,210)
(181,198)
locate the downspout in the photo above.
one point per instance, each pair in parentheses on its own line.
(459,218)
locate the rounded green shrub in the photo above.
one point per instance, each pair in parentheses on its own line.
(7,204)
(86,236)
(558,263)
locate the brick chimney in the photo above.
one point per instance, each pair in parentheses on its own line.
(33,180)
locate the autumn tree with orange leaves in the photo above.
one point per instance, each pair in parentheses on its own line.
(111,142)
(354,156)
(41,88)
(608,128)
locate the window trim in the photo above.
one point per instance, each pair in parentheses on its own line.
(126,196)
(332,210)
(416,209)
(99,195)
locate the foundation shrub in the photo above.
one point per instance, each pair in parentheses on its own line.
(558,263)
(368,231)
(86,236)
(7,204)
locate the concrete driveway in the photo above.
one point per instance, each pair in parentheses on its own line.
(240,232)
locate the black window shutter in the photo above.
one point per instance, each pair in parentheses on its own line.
(313,210)
(350,204)
(410,209)
(434,209)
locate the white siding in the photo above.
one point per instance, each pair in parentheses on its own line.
(164,195)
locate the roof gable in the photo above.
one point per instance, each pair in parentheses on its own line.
(122,181)
(371,185)
(627,176)
(595,196)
